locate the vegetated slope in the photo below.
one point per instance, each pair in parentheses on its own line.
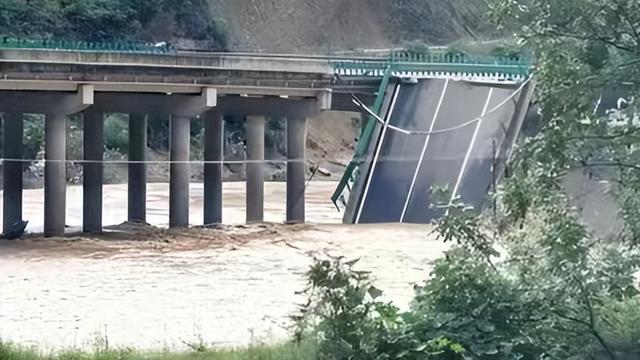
(312,26)
(191,22)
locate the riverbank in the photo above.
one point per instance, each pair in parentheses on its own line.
(276,352)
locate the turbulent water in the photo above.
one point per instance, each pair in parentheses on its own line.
(147,294)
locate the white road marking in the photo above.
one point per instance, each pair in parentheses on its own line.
(424,150)
(469,151)
(377,153)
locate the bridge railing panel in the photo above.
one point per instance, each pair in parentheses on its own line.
(68,45)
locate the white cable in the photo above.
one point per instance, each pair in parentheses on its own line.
(340,162)
(152,162)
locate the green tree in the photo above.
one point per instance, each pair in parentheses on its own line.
(534,282)
(587,52)
(103,20)
(31,17)
(110,20)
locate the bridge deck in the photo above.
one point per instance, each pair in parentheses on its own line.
(459,130)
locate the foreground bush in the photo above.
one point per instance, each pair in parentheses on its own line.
(474,308)
(542,287)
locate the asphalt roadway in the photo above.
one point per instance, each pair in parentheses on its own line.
(450,151)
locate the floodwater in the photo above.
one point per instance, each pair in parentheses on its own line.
(163,289)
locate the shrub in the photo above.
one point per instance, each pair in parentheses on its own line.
(619,323)
(33,135)
(347,319)
(116,133)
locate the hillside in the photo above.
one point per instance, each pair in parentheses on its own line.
(306,26)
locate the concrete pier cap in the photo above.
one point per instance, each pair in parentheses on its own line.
(48,102)
(280,106)
(191,106)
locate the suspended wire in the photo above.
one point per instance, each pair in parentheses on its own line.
(340,163)
(154,162)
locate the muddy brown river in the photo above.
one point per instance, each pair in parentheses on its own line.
(159,291)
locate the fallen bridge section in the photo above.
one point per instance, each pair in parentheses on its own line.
(433,134)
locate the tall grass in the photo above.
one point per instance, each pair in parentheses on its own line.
(303,351)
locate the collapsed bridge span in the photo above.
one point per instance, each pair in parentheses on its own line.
(432,132)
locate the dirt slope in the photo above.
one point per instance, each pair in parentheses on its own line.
(306,26)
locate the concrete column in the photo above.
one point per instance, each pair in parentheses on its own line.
(137,197)
(213,151)
(12,132)
(255,169)
(179,172)
(92,175)
(296,156)
(55,184)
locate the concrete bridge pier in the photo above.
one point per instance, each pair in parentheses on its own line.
(92,175)
(55,133)
(55,177)
(255,168)
(182,110)
(179,172)
(214,153)
(296,110)
(296,169)
(12,131)
(137,185)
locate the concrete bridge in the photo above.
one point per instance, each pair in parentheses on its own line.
(59,83)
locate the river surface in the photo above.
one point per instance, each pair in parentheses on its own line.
(226,288)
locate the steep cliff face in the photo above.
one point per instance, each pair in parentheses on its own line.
(307,26)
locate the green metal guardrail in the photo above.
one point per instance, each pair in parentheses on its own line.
(436,62)
(446,56)
(365,138)
(410,63)
(134,47)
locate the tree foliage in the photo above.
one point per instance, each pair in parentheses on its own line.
(110,20)
(588,82)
